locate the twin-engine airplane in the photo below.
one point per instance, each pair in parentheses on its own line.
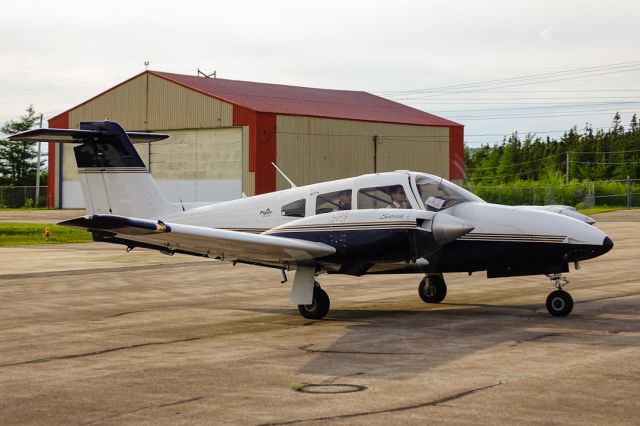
(385,223)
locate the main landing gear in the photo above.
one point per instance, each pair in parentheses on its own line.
(559,302)
(319,306)
(432,288)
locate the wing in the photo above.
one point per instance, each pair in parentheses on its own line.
(197,240)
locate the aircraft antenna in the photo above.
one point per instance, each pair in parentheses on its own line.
(293,185)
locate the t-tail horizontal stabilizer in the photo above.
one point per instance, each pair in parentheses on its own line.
(113,177)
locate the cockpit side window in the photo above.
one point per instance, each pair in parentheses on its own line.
(382,197)
(333,201)
(439,194)
(294,209)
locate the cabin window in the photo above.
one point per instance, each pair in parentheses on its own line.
(294,209)
(333,201)
(382,197)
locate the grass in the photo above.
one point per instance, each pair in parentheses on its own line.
(18,209)
(15,234)
(601,209)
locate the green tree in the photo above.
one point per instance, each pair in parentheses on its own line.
(18,159)
(593,155)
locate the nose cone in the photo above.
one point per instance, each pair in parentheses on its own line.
(447,228)
(589,251)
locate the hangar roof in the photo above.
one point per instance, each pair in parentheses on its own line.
(294,100)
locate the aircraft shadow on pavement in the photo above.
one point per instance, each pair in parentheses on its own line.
(399,343)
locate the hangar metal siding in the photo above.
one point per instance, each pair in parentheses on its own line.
(173,107)
(148,102)
(311,149)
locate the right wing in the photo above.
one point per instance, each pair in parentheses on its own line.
(197,240)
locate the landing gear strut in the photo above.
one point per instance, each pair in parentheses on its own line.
(559,302)
(433,288)
(319,306)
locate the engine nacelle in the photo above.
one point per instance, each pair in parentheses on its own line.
(377,235)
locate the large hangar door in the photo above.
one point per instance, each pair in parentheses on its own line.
(198,165)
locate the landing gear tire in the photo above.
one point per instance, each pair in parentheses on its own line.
(319,306)
(559,303)
(433,288)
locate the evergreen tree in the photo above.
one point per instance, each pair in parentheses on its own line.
(506,170)
(18,159)
(602,155)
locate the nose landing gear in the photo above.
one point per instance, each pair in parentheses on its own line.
(433,288)
(559,302)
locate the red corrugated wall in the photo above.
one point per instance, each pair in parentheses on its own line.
(456,152)
(266,153)
(59,122)
(262,146)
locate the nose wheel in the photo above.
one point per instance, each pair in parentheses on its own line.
(559,302)
(432,288)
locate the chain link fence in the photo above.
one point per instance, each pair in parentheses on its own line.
(624,192)
(22,196)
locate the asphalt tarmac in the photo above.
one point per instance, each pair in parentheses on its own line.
(90,334)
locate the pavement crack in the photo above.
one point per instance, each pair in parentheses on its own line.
(123,313)
(48,274)
(431,403)
(307,349)
(534,338)
(332,379)
(619,296)
(543,336)
(137,410)
(100,352)
(183,401)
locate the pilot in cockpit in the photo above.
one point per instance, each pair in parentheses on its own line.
(398,198)
(344,200)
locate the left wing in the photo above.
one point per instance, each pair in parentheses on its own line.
(201,241)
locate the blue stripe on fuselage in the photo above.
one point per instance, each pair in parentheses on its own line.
(371,244)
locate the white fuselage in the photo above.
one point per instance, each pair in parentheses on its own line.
(522,238)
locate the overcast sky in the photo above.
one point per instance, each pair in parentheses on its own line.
(551,64)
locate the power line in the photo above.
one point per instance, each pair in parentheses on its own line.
(516,164)
(514,101)
(531,132)
(576,105)
(571,72)
(543,115)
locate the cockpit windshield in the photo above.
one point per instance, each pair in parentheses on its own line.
(439,194)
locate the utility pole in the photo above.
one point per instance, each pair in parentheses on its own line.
(375,153)
(38,169)
(628,192)
(566,176)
